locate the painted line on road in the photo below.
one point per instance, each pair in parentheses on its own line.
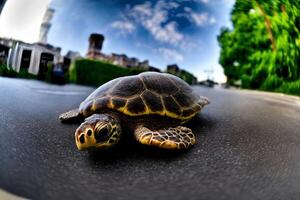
(60,92)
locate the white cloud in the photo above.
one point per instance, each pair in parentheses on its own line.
(200,19)
(170,55)
(172,5)
(197,1)
(143,9)
(212,20)
(22,19)
(155,18)
(125,27)
(205,1)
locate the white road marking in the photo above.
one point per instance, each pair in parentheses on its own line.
(57,92)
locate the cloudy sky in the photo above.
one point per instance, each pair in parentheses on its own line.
(162,31)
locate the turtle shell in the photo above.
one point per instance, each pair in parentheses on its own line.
(145,94)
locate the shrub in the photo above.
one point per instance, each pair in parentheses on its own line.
(290,87)
(95,73)
(23,73)
(246,81)
(49,73)
(3,70)
(271,83)
(9,72)
(184,75)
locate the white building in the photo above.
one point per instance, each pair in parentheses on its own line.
(33,57)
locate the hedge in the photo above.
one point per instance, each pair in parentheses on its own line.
(95,73)
(184,75)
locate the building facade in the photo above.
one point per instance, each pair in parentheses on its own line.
(34,58)
(94,52)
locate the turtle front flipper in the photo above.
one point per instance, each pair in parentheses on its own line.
(72,116)
(169,138)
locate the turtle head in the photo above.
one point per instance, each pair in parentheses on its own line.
(99,131)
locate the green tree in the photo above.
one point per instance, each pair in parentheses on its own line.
(263,48)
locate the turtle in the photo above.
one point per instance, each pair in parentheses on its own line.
(153,106)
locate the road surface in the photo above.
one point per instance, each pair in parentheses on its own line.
(248,147)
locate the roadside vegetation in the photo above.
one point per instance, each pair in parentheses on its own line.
(23,73)
(184,75)
(262,51)
(9,72)
(87,72)
(95,73)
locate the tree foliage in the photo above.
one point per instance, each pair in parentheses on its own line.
(263,48)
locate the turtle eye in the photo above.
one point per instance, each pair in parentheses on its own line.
(102,135)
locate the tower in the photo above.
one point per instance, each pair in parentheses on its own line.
(95,45)
(45,26)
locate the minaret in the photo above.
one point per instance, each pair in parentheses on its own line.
(45,26)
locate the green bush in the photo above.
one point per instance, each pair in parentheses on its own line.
(3,70)
(246,81)
(9,72)
(290,88)
(23,73)
(271,83)
(184,75)
(187,77)
(49,73)
(95,73)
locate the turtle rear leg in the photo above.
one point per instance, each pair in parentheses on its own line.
(72,116)
(169,138)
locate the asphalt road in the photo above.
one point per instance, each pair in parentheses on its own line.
(248,147)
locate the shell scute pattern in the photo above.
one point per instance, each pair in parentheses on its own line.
(130,86)
(147,93)
(135,105)
(153,101)
(171,105)
(118,103)
(165,86)
(101,103)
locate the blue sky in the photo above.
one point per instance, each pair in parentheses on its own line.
(164,32)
